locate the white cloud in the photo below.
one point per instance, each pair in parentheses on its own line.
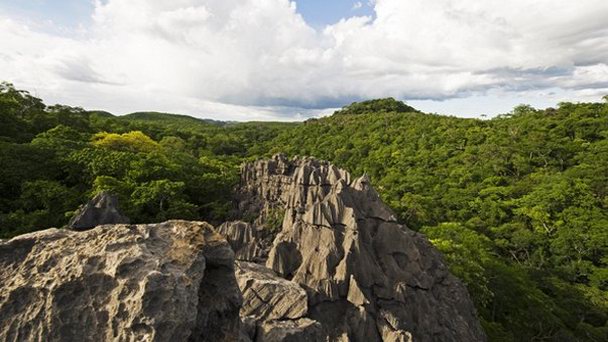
(256,59)
(357,5)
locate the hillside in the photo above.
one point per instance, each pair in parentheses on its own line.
(518,204)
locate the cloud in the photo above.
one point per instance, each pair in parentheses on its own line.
(357,5)
(259,59)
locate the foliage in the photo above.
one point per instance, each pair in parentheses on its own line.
(134,142)
(376,106)
(518,204)
(161,166)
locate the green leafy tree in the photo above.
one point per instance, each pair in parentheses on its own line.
(135,141)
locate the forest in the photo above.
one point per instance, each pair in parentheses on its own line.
(518,204)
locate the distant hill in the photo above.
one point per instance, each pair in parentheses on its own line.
(100,113)
(170,118)
(386,105)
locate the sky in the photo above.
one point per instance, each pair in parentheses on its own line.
(290,60)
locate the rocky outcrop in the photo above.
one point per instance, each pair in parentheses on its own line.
(330,262)
(275,306)
(268,297)
(102,209)
(366,276)
(249,242)
(172,281)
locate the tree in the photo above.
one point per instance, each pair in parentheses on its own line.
(161,200)
(134,141)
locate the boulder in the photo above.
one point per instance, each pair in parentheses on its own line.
(102,209)
(275,307)
(172,281)
(268,297)
(367,276)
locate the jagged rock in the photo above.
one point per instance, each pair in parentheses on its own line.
(102,209)
(172,281)
(367,277)
(261,187)
(277,306)
(267,296)
(301,330)
(248,242)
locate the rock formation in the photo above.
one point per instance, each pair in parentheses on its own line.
(277,307)
(323,260)
(366,276)
(102,209)
(249,242)
(172,281)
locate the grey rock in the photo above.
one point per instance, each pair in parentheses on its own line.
(367,277)
(249,242)
(273,308)
(172,281)
(102,209)
(248,328)
(268,297)
(301,330)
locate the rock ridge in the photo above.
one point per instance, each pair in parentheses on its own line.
(366,276)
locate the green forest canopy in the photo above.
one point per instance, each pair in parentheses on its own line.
(518,204)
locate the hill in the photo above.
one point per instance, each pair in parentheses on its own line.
(386,105)
(171,119)
(518,204)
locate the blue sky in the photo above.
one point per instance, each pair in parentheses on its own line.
(73,13)
(319,13)
(258,60)
(69,13)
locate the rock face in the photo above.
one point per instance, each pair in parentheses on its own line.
(366,277)
(275,306)
(249,242)
(172,281)
(102,209)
